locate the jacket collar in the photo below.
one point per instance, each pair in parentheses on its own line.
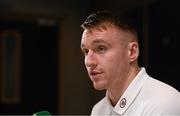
(129,95)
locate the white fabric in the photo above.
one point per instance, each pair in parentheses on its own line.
(145,96)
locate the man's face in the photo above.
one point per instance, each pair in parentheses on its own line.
(106,56)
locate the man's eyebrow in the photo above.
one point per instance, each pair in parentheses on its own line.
(97,41)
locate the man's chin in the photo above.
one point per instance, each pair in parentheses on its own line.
(98,87)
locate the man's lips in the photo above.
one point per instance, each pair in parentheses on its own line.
(94,74)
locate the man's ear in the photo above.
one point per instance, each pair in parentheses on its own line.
(133,51)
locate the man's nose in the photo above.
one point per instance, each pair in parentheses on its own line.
(90,60)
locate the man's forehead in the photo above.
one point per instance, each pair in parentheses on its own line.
(101,27)
(88,38)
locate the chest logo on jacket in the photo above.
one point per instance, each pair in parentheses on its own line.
(122,103)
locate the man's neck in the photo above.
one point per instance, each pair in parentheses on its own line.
(115,93)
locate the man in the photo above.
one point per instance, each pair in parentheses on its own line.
(111,50)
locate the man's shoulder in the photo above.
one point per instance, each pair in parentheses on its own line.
(159,88)
(157,95)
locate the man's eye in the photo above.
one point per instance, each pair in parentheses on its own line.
(101,49)
(85,51)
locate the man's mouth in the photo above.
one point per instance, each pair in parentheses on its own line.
(94,73)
